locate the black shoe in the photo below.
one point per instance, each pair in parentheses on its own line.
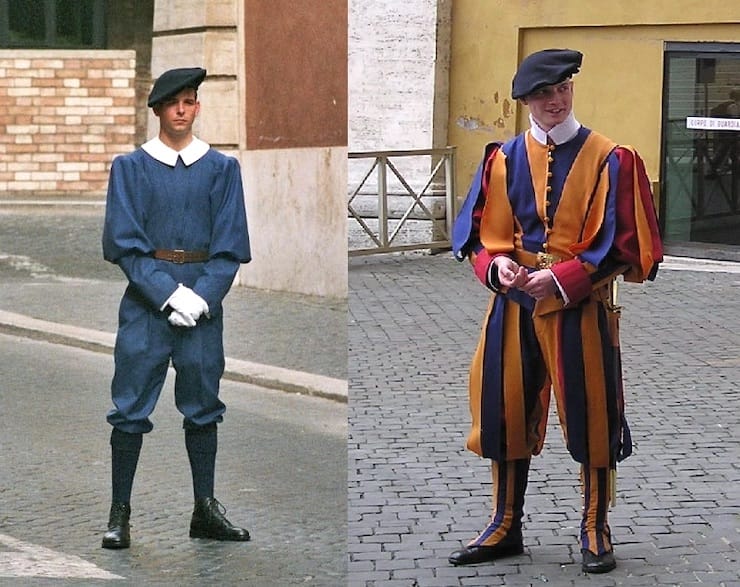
(598,563)
(118,534)
(208,521)
(470,555)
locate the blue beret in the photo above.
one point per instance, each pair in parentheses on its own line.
(173,81)
(544,68)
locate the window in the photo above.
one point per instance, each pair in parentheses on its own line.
(700,174)
(52,24)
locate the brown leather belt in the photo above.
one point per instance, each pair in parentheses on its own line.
(535,260)
(180,256)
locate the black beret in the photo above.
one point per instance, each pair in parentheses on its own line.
(544,68)
(173,81)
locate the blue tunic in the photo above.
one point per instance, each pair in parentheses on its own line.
(151,205)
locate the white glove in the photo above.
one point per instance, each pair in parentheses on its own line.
(188,303)
(177,319)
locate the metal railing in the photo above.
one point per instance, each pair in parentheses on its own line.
(408,203)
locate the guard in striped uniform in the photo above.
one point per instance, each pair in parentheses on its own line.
(552,218)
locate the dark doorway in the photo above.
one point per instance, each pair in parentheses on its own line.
(700,171)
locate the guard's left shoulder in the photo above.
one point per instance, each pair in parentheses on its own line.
(628,155)
(625,149)
(224,159)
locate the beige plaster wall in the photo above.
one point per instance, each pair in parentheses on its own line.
(183,14)
(297,220)
(619,89)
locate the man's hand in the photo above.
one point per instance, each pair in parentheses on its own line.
(188,303)
(177,319)
(540,284)
(510,273)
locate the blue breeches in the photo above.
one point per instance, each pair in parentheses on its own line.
(145,344)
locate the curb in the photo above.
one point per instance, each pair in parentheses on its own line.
(696,264)
(267,376)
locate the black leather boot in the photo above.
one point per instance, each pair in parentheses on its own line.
(471,555)
(118,534)
(208,521)
(598,563)
(503,535)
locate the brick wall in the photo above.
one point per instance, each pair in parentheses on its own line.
(64,116)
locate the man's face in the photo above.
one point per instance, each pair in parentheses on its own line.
(177,114)
(551,105)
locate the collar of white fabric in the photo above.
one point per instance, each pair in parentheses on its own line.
(559,134)
(164,154)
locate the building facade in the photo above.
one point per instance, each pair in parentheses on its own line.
(433,73)
(649,70)
(275,98)
(398,95)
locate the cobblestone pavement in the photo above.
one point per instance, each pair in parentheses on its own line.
(415,493)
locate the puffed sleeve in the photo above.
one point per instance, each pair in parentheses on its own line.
(229,238)
(125,241)
(466,241)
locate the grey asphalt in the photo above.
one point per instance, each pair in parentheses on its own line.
(281,473)
(416,494)
(281,470)
(54,283)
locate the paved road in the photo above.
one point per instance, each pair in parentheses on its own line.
(415,494)
(281,472)
(51,268)
(282,456)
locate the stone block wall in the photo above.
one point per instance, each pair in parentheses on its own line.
(202,34)
(398,74)
(64,116)
(398,95)
(275,98)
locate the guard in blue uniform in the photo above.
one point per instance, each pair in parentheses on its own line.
(175,224)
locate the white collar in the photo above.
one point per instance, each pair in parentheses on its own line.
(164,154)
(559,134)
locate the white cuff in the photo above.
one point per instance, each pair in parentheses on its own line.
(566,300)
(489,276)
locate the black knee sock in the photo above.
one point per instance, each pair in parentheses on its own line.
(125,449)
(201,443)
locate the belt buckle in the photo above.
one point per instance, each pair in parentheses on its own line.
(545,260)
(178,256)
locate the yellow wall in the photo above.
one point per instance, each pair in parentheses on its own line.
(619,89)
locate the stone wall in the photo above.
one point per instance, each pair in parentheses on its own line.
(398,100)
(398,72)
(64,116)
(202,34)
(275,98)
